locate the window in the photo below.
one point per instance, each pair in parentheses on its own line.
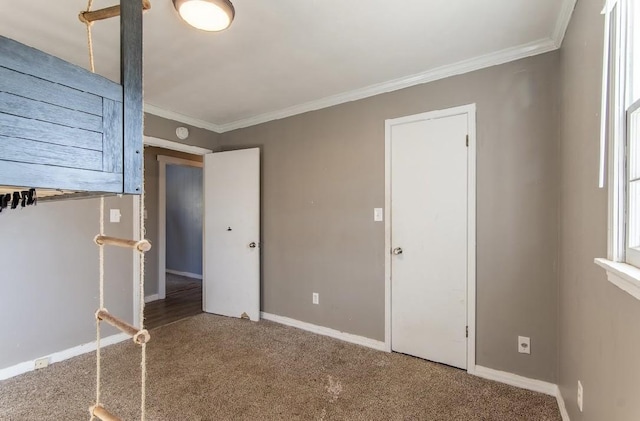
(620,140)
(632,144)
(632,254)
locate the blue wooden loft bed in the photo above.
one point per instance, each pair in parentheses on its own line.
(65,129)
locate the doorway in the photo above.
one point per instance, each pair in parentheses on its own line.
(430,236)
(230,258)
(174,204)
(175,294)
(180,206)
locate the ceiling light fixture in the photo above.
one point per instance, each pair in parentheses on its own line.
(208,15)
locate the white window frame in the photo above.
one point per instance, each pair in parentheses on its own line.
(632,254)
(614,135)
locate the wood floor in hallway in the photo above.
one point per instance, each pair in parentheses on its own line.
(184,299)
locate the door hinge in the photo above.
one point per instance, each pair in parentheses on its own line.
(467,141)
(467,332)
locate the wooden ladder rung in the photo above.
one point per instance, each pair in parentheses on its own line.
(139,336)
(101,413)
(107,12)
(142,245)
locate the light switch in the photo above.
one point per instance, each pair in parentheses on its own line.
(378,214)
(114,215)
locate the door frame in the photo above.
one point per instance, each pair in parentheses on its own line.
(470,111)
(163,161)
(166,144)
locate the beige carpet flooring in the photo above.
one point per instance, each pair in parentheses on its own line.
(214,368)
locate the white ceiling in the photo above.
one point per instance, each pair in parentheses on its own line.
(283,57)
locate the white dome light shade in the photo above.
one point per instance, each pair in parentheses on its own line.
(208,15)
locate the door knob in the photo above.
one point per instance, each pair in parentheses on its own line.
(397,251)
(252,245)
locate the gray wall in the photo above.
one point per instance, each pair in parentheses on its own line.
(184,219)
(323,173)
(599,338)
(51,293)
(163,128)
(50,277)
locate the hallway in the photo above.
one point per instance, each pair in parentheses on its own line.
(184,299)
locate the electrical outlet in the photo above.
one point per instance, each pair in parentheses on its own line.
(41,363)
(316,298)
(580,395)
(524,345)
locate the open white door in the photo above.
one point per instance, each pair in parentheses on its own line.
(231,285)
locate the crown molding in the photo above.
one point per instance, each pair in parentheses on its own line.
(181,118)
(563,21)
(465,66)
(477,63)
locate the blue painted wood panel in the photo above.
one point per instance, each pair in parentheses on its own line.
(63,127)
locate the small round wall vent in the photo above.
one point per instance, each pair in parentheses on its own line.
(182,133)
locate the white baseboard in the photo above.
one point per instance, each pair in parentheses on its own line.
(152,297)
(523,383)
(320,330)
(480,371)
(515,380)
(562,406)
(187,274)
(56,357)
